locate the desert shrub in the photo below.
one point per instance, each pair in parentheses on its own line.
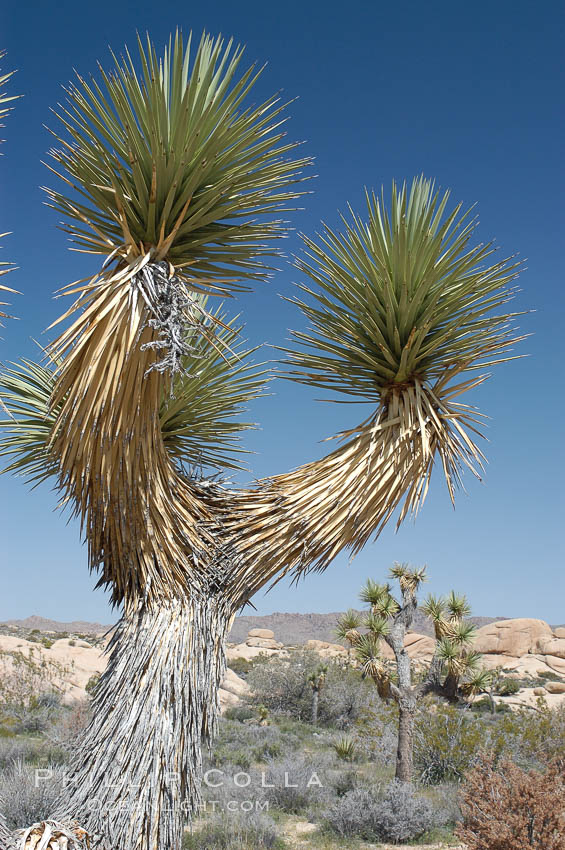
(238,831)
(92,684)
(30,687)
(243,744)
(376,731)
(239,712)
(345,748)
(26,797)
(17,749)
(396,813)
(448,739)
(346,695)
(299,782)
(446,743)
(342,781)
(507,687)
(33,751)
(549,676)
(281,684)
(504,806)
(529,738)
(68,724)
(485,706)
(353,816)
(240,665)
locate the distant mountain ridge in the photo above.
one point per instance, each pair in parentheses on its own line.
(293,629)
(289,628)
(44,625)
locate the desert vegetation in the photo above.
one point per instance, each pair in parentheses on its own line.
(454,672)
(274,779)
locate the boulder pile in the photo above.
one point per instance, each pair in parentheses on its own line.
(524,648)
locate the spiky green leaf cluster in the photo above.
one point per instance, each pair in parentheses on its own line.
(25,390)
(408,578)
(368,652)
(198,420)
(348,625)
(170,160)
(402,296)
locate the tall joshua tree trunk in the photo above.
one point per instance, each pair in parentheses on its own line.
(405,748)
(139,763)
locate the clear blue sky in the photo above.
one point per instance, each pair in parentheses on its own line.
(470,94)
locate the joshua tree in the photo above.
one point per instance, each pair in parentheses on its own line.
(317,680)
(454,671)
(176,184)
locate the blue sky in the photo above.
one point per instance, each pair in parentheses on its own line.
(470,94)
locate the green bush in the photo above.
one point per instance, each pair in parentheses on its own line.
(484,706)
(239,712)
(27,799)
(394,814)
(241,666)
(92,684)
(243,744)
(549,676)
(508,687)
(345,748)
(282,685)
(447,742)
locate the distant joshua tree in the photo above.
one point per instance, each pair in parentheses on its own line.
(454,671)
(317,680)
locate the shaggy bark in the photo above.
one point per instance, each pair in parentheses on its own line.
(5,834)
(405,748)
(139,763)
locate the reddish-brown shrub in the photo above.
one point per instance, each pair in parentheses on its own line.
(506,808)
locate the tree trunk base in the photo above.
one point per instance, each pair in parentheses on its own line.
(139,763)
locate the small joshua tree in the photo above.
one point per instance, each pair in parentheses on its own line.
(317,679)
(454,672)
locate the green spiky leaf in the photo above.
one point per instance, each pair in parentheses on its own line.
(402,296)
(169,160)
(377,625)
(457,606)
(348,625)
(198,421)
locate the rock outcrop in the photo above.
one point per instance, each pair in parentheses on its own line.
(524,648)
(68,665)
(326,649)
(512,637)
